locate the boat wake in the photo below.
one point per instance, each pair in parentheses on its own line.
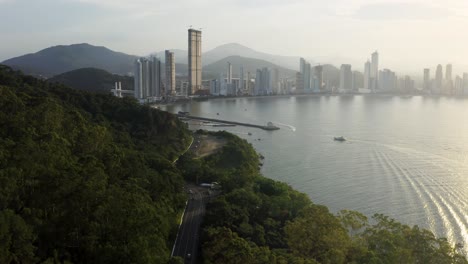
(292,128)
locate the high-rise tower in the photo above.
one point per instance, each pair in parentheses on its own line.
(170,73)
(374,72)
(319,78)
(438,79)
(367,75)
(346,77)
(427,80)
(241,79)
(229,73)
(147,77)
(194,61)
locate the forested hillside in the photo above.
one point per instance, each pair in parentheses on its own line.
(89,178)
(85,178)
(92,80)
(259,220)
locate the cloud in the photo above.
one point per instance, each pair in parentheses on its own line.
(401,11)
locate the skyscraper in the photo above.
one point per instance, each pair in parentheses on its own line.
(307,77)
(170,73)
(241,79)
(138,78)
(229,73)
(147,78)
(275,82)
(346,77)
(374,71)
(367,76)
(155,78)
(300,86)
(194,61)
(438,79)
(427,80)
(319,78)
(448,83)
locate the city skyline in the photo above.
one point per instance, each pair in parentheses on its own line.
(413,34)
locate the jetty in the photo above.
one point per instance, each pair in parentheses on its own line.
(269,126)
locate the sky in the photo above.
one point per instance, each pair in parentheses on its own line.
(409,35)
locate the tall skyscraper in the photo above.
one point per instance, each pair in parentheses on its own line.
(374,71)
(170,73)
(307,77)
(448,83)
(367,75)
(438,79)
(300,86)
(155,79)
(138,79)
(147,78)
(229,73)
(427,80)
(346,77)
(275,82)
(299,83)
(241,79)
(319,78)
(194,60)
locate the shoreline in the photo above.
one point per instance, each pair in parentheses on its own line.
(381,95)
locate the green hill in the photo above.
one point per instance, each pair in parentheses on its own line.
(92,80)
(59,59)
(85,178)
(89,178)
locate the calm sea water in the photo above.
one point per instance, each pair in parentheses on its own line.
(404,157)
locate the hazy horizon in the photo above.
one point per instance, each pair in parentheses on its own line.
(409,35)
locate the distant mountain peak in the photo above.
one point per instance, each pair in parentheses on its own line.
(62,58)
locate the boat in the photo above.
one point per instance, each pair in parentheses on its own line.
(249,134)
(339,139)
(270,126)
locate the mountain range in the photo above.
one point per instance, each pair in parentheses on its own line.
(63,58)
(249,64)
(235,49)
(57,60)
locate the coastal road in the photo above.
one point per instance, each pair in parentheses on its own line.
(187,238)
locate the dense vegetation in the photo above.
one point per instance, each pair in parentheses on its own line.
(85,178)
(259,220)
(89,178)
(92,80)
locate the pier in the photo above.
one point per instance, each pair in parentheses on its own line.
(268,127)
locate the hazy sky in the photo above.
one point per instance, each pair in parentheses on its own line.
(408,34)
